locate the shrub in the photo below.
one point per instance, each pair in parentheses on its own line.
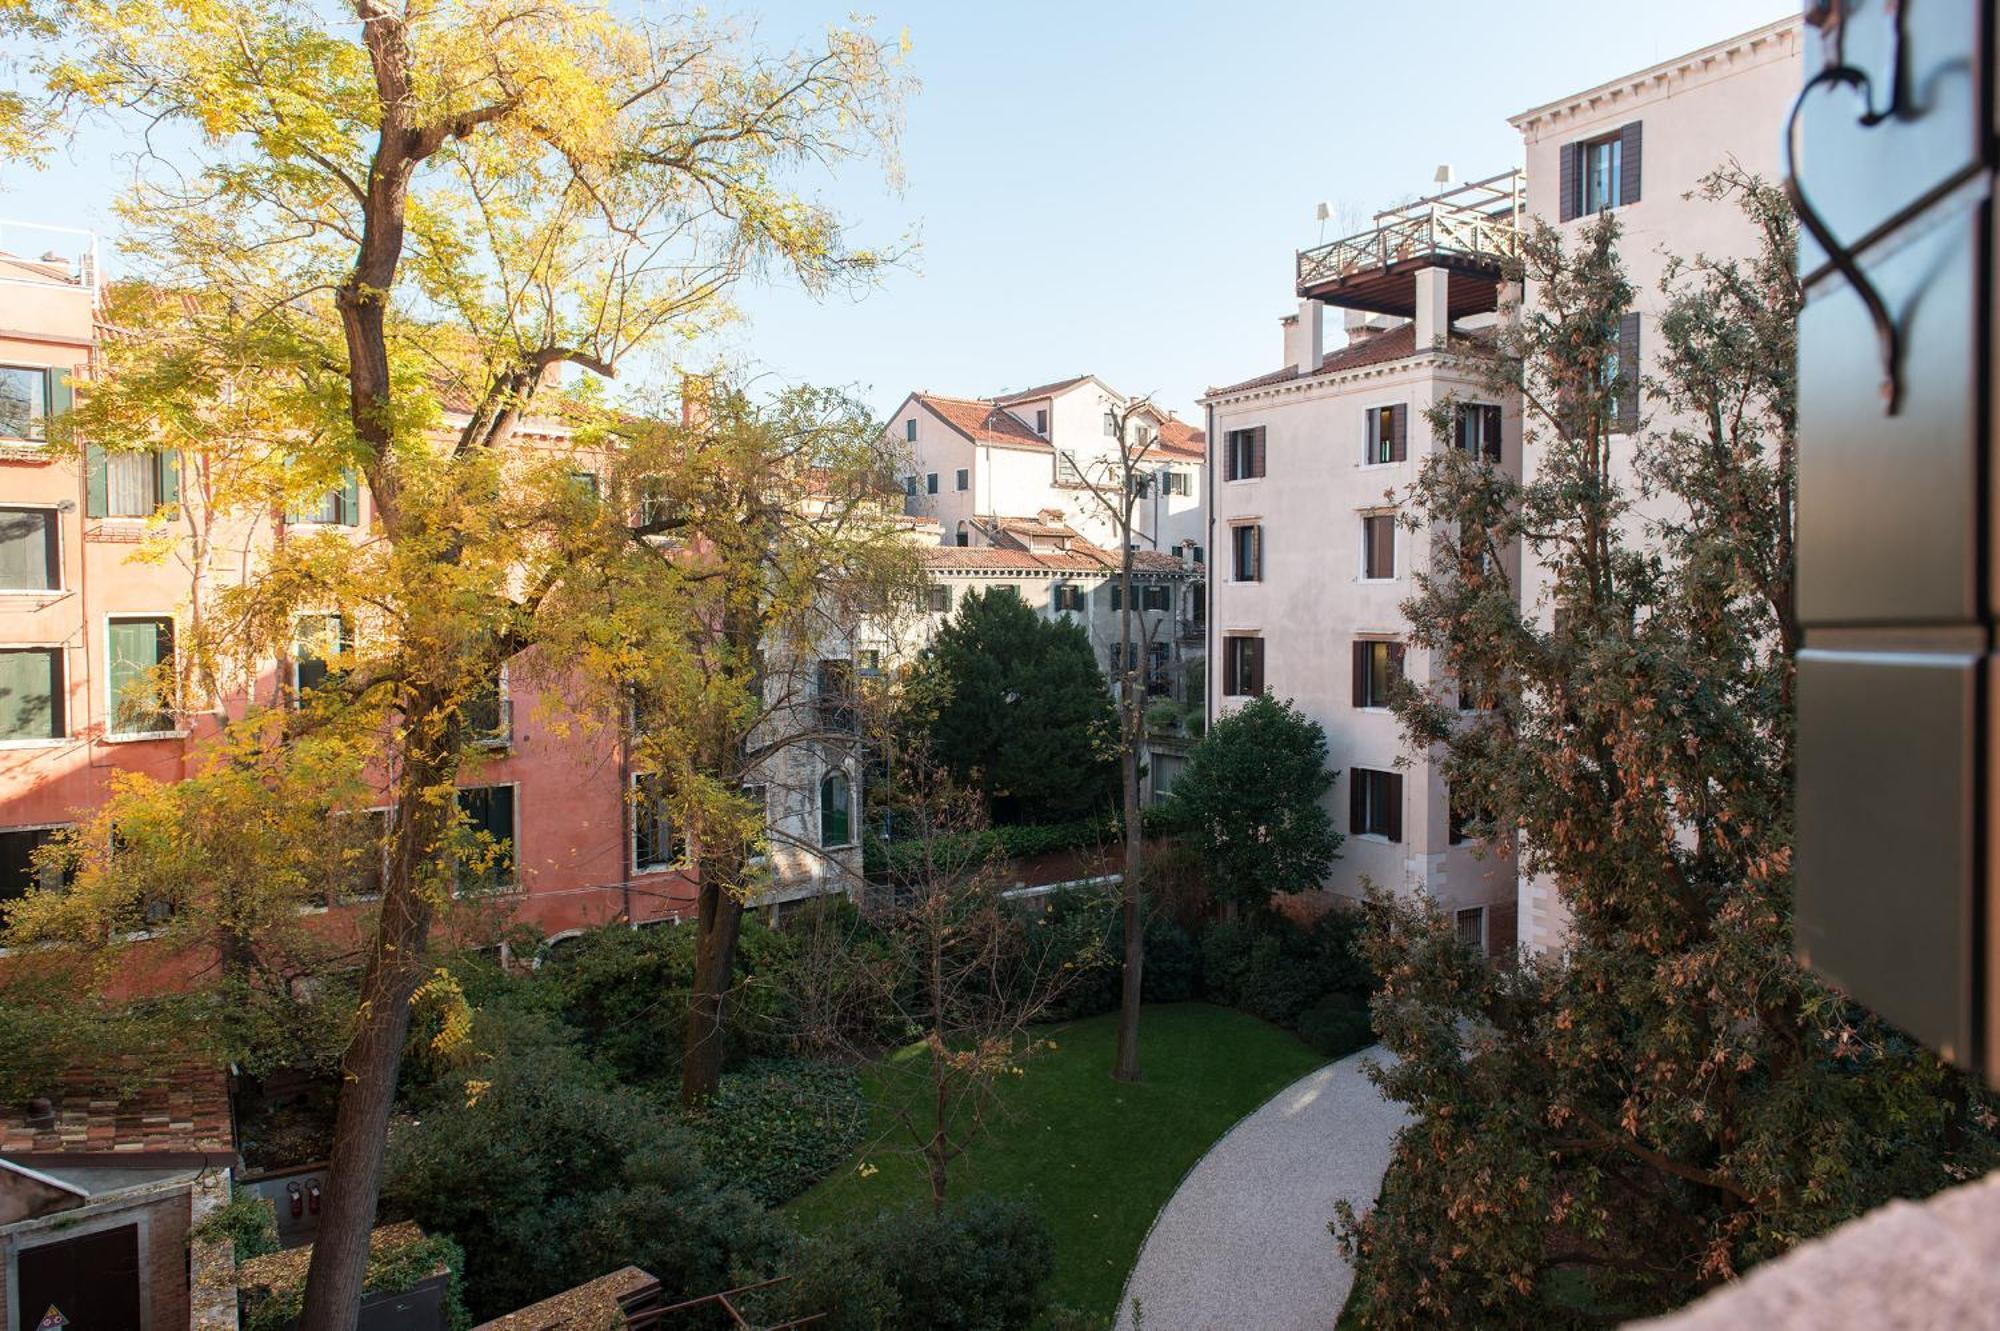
(1337,1025)
(1173,964)
(543,1171)
(1274,969)
(777,1126)
(1079,930)
(400,1257)
(981,1266)
(248,1223)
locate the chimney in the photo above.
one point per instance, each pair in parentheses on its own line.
(1302,336)
(1433,309)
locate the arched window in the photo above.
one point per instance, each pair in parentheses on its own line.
(836,810)
(964,534)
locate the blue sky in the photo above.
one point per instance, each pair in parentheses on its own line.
(1118,188)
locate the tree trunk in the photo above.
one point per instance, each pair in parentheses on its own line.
(719,925)
(1129,725)
(397,965)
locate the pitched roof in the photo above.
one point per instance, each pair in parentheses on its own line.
(1012,554)
(1042,390)
(982,422)
(1392,344)
(128,1109)
(1177,439)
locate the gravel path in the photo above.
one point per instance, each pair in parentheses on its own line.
(1243,1244)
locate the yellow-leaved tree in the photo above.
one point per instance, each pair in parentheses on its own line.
(372,233)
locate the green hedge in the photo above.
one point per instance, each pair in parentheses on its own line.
(898,858)
(777,1126)
(249,1223)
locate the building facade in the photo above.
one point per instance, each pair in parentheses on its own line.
(95,577)
(1638,146)
(1312,559)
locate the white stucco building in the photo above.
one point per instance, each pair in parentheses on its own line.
(1307,462)
(1638,145)
(1311,565)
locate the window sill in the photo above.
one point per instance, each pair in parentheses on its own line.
(1241,480)
(845,845)
(1381,466)
(143,736)
(501,744)
(54,742)
(651,870)
(1376,582)
(42,594)
(1377,838)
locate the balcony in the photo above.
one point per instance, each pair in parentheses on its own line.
(1470,231)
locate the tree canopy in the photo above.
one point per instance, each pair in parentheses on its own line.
(1606,1131)
(1017,708)
(1249,803)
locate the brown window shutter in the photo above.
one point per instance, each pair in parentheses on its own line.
(1256,663)
(1357,803)
(1566,180)
(1628,164)
(1399,449)
(1396,650)
(1229,651)
(1492,432)
(1257,554)
(1628,373)
(1257,451)
(1392,783)
(1360,673)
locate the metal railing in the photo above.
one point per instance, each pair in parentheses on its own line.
(1478,221)
(32,254)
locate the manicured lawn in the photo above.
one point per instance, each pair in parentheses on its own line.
(1096,1157)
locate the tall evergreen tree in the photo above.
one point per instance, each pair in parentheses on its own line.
(1249,806)
(1606,1132)
(1017,709)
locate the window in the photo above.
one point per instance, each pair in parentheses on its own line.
(963,536)
(1247,546)
(1069,596)
(586,483)
(1193,553)
(1175,482)
(1242,666)
(653,848)
(1472,695)
(1601,173)
(129,485)
(962,479)
(19,873)
(1468,819)
(1378,546)
(1621,370)
(489,714)
(835,695)
(836,810)
(1157,657)
(24,401)
(30,554)
(1110,423)
(1478,430)
(341,506)
(140,677)
(318,640)
(1067,470)
(487,863)
(655,504)
(930,483)
(910,487)
(1376,804)
(1243,454)
(1378,666)
(1156,596)
(32,694)
(869,660)
(910,430)
(361,855)
(1472,928)
(1388,433)
(939,600)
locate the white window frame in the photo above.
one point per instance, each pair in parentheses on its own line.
(48,402)
(1379,838)
(505,739)
(110,699)
(62,556)
(34,827)
(346,630)
(819,811)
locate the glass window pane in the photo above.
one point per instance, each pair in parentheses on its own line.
(24,402)
(31,693)
(27,549)
(131,484)
(139,701)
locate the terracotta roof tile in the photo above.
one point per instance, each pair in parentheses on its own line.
(983,422)
(1394,344)
(181,1107)
(1177,439)
(1042,390)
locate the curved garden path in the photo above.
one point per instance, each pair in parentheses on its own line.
(1243,1244)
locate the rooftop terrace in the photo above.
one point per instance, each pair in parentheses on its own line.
(1470,231)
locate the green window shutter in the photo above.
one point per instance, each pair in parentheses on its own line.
(139,647)
(96,483)
(169,463)
(31,696)
(350,497)
(61,396)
